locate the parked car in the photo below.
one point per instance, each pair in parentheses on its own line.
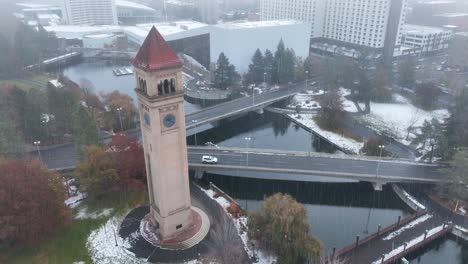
(209,160)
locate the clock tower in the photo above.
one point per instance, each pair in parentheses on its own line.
(160,91)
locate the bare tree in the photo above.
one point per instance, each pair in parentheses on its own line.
(415,116)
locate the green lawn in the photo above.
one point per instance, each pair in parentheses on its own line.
(24,85)
(69,244)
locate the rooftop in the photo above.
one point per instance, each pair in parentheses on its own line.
(257,24)
(129,4)
(417,29)
(155,54)
(452,15)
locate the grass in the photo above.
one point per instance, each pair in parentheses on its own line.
(69,244)
(25,85)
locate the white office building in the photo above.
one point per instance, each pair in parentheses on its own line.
(426,39)
(374,24)
(90,12)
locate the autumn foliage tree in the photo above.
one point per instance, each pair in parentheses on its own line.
(123,111)
(31,203)
(95,171)
(129,162)
(281,226)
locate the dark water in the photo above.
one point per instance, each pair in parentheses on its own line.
(101,75)
(266,131)
(337,212)
(446,251)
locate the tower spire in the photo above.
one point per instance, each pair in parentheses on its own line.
(155,54)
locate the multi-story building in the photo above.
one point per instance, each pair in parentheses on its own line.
(427,40)
(90,12)
(372,24)
(310,11)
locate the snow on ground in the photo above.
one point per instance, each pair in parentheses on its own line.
(410,243)
(84,214)
(263,257)
(410,225)
(341,141)
(348,105)
(102,247)
(75,200)
(412,199)
(79,262)
(395,118)
(464,230)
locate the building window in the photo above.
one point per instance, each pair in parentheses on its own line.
(166,86)
(173,86)
(160,88)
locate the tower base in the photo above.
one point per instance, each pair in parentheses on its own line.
(189,237)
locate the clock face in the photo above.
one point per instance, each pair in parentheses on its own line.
(169,120)
(147,119)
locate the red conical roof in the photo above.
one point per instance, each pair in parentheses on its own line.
(155,54)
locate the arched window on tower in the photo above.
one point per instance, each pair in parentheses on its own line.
(145,89)
(166,86)
(173,87)
(160,88)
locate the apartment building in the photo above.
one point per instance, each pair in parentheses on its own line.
(90,12)
(373,24)
(426,39)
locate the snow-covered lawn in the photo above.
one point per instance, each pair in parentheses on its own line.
(307,100)
(84,214)
(395,118)
(341,141)
(102,247)
(410,225)
(263,257)
(410,243)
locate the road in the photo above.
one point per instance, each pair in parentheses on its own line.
(239,106)
(314,164)
(281,163)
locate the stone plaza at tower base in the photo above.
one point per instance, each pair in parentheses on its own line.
(192,235)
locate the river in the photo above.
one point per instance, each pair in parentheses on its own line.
(336,212)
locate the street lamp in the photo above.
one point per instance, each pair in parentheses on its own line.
(120,118)
(194,121)
(307,79)
(247,140)
(37,143)
(381,147)
(432,143)
(264,77)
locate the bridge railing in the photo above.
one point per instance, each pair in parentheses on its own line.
(380,232)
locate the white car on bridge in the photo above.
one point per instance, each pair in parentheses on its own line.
(209,160)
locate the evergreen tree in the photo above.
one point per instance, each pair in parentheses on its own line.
(225,73)
(7,62)
(269,60)
(406,71)
(257,67)
(308,67)
(457,124)
(283,66)
(85,130)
